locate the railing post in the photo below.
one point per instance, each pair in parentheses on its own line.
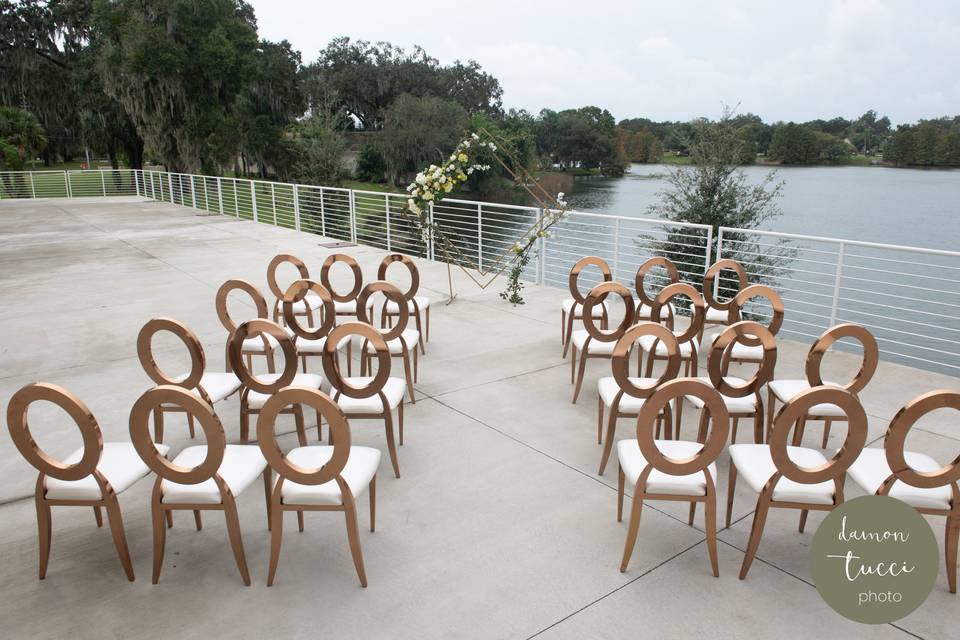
(353,217)
(253,199)
(206,196)
(220,195)
(33,187)
(709,251)
(273,201)
(170,185)
(136,181)
(432,247)
(479,236)
(716,281)
(193,191)
(616,247)
(323,216)
(836,285)
(387,201)
(296,206)
(103,183)
(542,262)
(66,181)
(236,198)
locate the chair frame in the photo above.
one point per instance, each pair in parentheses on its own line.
(279,311)
(620,363)
(208,469)
(735,315)
(662,300)
(597,296)
(835,469)
(715,412)
(339,431)
(639,283)
(871,358)
(252,383)
(711,289)
(395,332)
(566,324)
(296,292)
(331,368)
(231,326)
(386,319)
(894,447)
(49,466)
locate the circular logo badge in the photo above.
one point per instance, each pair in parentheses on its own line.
(874,559)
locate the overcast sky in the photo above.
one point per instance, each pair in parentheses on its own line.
(669,60)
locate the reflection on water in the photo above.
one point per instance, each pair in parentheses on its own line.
(878,204)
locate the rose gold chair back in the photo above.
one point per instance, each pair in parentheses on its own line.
(331,471)
(687,339)
(597,296)
(579,299)
(735,314)
(278,292)
(264,349)
(647,302)
(50,467)
(410,295)
(834,470)
(401,348)
(357,279)
(711,288)
(713,440)
(303,336)
(620,363)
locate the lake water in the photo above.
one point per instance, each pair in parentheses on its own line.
(878,204)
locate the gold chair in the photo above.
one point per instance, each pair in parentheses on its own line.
(686,339)
(308,341)
(623,395)
(317,478)
(201,478)
(646,302)
(592,342)
(344,304)
(257,346)
(674,469)
(211,386)
(257,390)
(742,397)
(367,397)
(92,476)
(401,341)
(916,478)
(717,312)
(419,306)
(784,390)
(571,309)
(309,306)
(791,477)
(749,349)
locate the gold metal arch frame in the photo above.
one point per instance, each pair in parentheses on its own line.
(597,296)
(231,326)
(49,466)
(714,412)
(278,292)
(206,470)
(329,472)
(620,363)
(386,317)
(894,449)
(646,302)
(373,386)
(833,470)
(566,324)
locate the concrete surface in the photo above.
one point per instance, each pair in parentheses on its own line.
(500,526)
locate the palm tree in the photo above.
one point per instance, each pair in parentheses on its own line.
(21,137)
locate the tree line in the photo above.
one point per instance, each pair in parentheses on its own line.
(191,86)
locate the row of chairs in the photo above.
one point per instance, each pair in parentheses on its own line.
(203,477)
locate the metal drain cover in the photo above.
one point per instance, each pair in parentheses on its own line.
(336,245)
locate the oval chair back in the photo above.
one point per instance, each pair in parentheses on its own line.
(584,343)
(573,307)
(263,347)
(302,307)
(400,342)
(646,302)
(349,296)
(410,295)
(715,313)
(687,339)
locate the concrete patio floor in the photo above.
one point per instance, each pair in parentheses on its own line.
(499,527)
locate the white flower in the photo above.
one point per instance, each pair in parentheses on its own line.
(560,197)
(421,179)
(443,179)
(466,144)
(493,147)
(474,136)
(469,170)
(427,195)
(412,205)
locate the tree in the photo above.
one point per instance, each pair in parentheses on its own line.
(584,138)
(21,137)
(318,148)
(419,131)
(714,191)
(178,67)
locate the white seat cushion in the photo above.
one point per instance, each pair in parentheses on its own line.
(393,391)
(119,463)
(755,464)
(360,469)
(315,347)
(871,469)
(409,337)
(608,389)
(300,306)
(785,390)
(597,309)
(596,346)
(422,301)
(747,404)
(643,311)
(646,343)
(217,384)
(255,344)
(256,400)
(241,465)
(713,314)
(633,463)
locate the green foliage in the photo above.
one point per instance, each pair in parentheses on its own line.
(513,292)
(801,144)
(931,143)
(318,148)
(418,131)
(21,137)
(370,164)
(583,138)
(640,146)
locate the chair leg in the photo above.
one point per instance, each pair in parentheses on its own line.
(798,431)
(599,419)
(236,540)
(621,480)
(98,516)
(400,421)
(44,530)
(632,530)
(159,533)
(710,519)
(826,433)
(197,519)
(349,357)
(569,336)
(563,329)
(301,429)
(428,324)
(353,536)
(608,443)
(676,430)
(158,425)
(581,370)
(756,531)
(693,513)
(950,543)
(300,521)
(731,489)
(416,364)
(193,431)
(409,377)
(271,361)
(758,423)
(244,422)
(803,520)
(267,487)
(771,401)
(169,516)
(119,538)
(391,444)
(373,503)
(276,539)
(733,429)
(573,364)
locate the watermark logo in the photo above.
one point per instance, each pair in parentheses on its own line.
(874,559)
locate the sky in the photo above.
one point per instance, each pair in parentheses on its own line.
(669,60)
